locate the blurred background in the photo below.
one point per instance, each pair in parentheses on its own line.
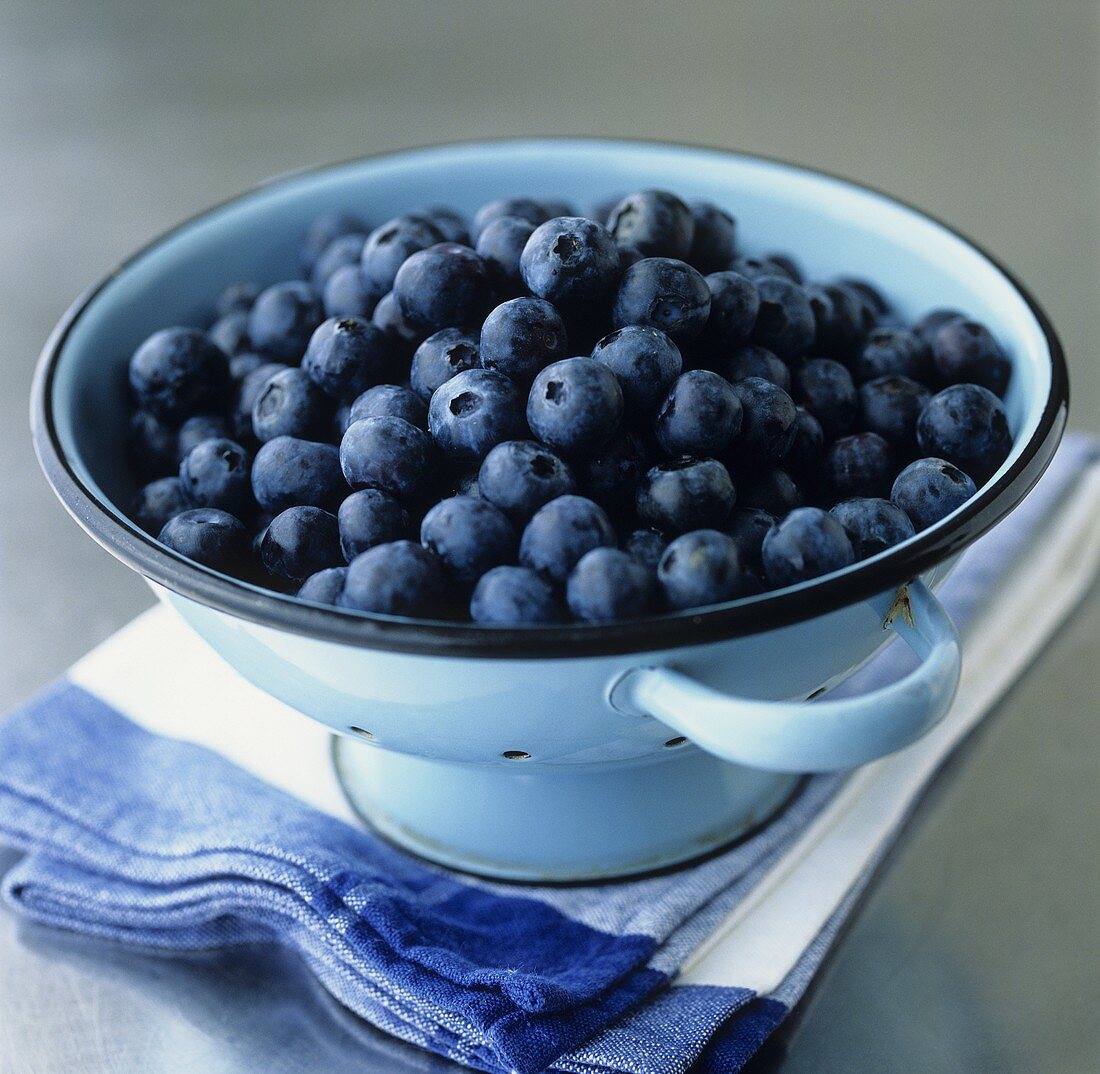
(119,119)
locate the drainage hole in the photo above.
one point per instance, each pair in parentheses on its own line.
(516,755)
(362,732)
(679,740)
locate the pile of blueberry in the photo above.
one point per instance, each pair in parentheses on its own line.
(536,416)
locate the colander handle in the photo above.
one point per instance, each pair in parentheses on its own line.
(819,736)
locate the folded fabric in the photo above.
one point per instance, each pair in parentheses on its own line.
(165,844)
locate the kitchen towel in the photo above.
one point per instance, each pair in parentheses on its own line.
(151,840)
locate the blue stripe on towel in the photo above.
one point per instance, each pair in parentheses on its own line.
(166,844)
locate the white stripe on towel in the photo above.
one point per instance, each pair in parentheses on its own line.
(157,671)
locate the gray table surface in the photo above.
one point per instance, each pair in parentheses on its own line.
(978,948)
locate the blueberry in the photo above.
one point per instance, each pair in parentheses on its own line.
(858,465)
(890,407)
(755,362)
(787,266)
(575,405)
(386,453)
(390,401)
(700,568)
(534,212)
(838,326)
(283,319)
(768,417)
(346,250)
(608,584)
(748,526)
(452,225)
(197,429)
(178,372)
(501,245)
(965,352)
(387,315)
(520,476)
(348,293)
(933,321)
(685,494)
(157,502)
(867,293)
(645,363)
(571,262)
(208,536)
(785,321)
(287,472)
(387,247)
(216,473)
(561,532)
(655,221)
(893,350)
(611,476)
(930,489)
(151,445)
(734,305)
(324,231)
(808,445)
(771,489)
(440,357)
(301,541)
(825,388)
(248,391)
(872,524)
(966,425)
(866,315)
(521,337)
(240,365)
(237,298)
(290,404)
(346,356)
(446,285)
(661,293)
(515,595)
(470,536)
(647,547)
(370,517)
(473,412)
(400,578)
(755,268)
(230,333)
(713,239)
(700,415)
(324,587)
(805,544)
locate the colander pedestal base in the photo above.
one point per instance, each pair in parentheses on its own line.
(524,820)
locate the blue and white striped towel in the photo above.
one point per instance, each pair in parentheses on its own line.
(168,844)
